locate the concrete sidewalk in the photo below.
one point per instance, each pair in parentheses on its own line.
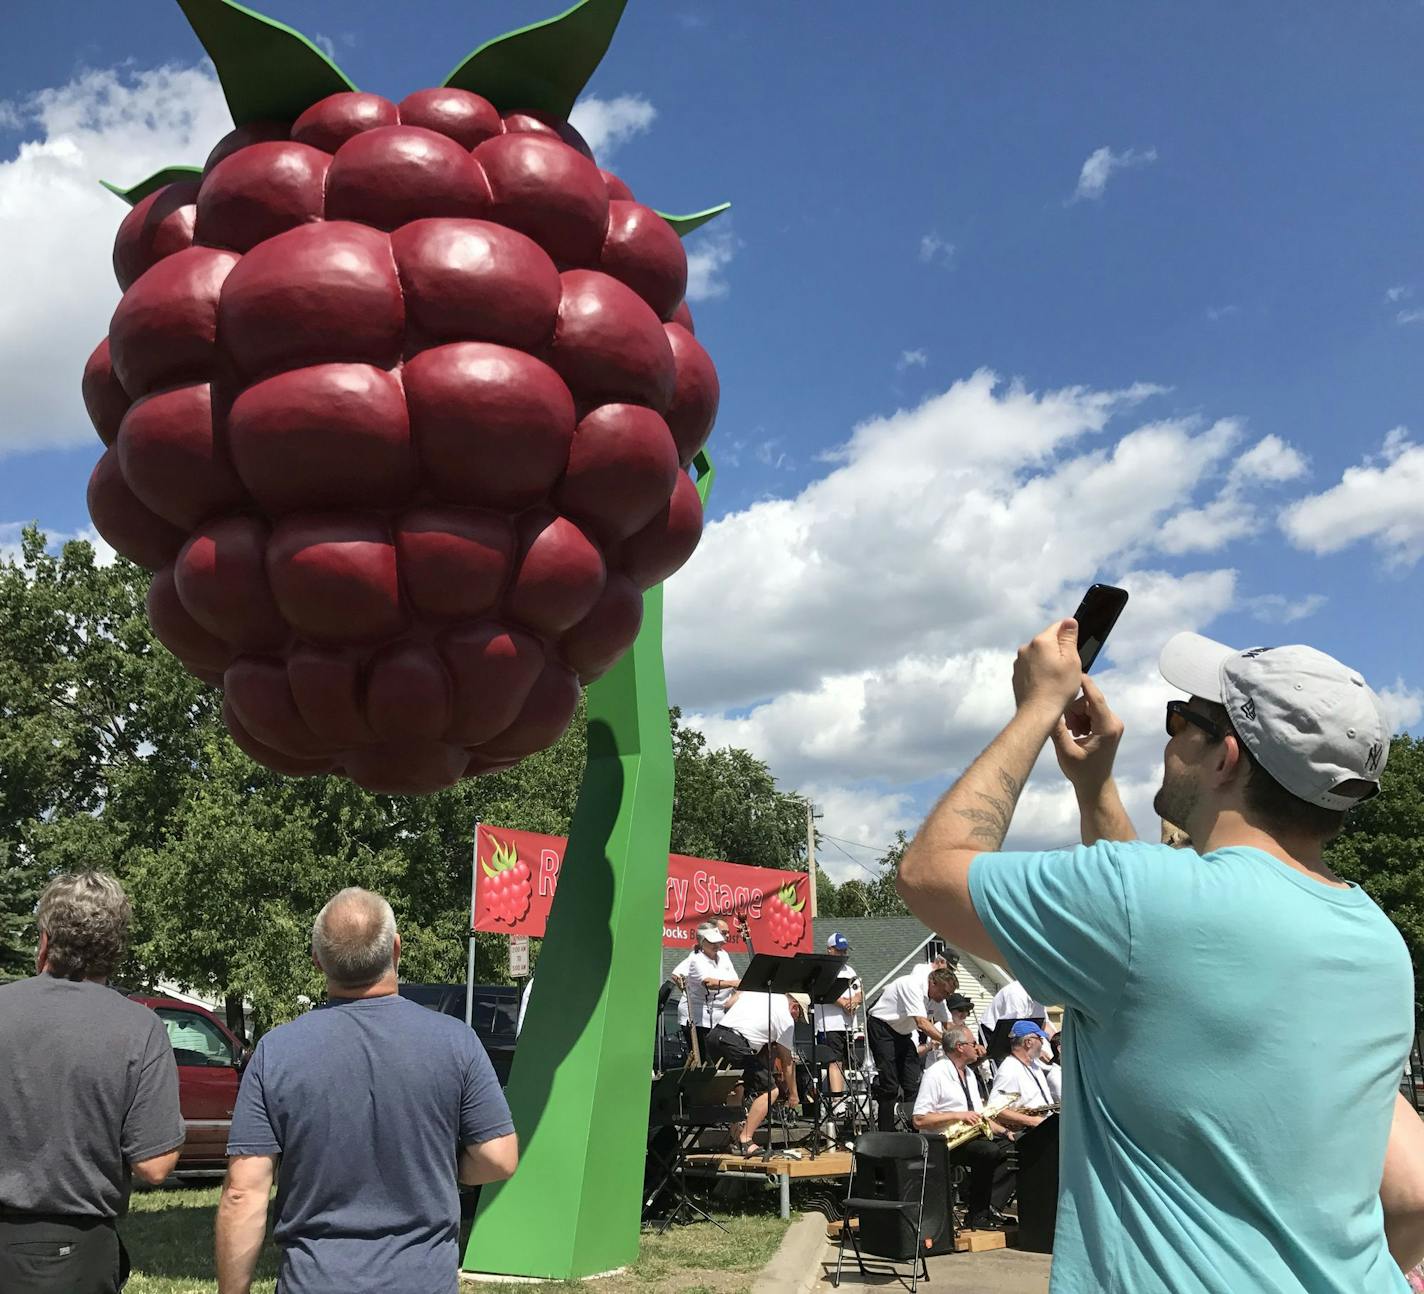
(1001,1271)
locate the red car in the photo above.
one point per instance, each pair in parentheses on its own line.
(209,1057)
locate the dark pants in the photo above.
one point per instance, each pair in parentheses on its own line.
(991,1180)
(897,1070)
(42,1254)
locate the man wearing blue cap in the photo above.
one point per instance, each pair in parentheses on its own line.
(1185,1168)
(1021,1077)
(838,1018)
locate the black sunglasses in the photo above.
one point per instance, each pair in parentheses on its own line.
(1179,715)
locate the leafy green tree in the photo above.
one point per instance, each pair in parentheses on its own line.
(726,806)
(1382,849)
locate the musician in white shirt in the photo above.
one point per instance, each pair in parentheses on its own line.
(837,1018)
(936,1011)
(711,977)
(757,1032)
(1020,1076)
(957,1007)
(1012,1002)
(950,1094)
(890,1029)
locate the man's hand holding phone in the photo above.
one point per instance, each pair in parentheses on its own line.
(1086,740)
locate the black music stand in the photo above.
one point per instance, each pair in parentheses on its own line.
(813,974)
(996,1044)
(1037,1186)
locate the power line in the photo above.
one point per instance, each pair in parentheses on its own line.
(878,849)
(868,871)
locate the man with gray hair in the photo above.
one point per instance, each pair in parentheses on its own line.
(374,1107)
(88,1098)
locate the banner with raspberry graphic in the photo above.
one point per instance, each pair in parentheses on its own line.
(517,872)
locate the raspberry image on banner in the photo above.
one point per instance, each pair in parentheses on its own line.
(399,405)
(507,887)
(786,916)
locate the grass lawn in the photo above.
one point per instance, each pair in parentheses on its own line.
(169,1235)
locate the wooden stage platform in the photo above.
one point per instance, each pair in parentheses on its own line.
(830,1163)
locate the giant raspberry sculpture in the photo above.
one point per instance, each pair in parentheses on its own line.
(400,402)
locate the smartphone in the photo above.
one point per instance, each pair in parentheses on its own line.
(1096,615)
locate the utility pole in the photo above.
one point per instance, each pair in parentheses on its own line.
(811,853)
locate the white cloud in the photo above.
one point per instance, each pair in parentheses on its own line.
(934,250)
(1276,609)
(1235,513)
(1409,317)
(1103,164)
(708,255)
(1403,704)
(1218,313)
(10,532)
(859,634)
(1377,501)
(1398,293)
(911,359)
(608,124)
(57,228)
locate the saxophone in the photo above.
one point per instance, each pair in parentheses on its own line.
(957,1134)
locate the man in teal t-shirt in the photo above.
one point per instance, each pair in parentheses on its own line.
(1207,1144)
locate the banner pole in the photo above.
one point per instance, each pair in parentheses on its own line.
(470,961)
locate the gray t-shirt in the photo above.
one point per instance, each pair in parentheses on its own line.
(367,1102)
(88,1086)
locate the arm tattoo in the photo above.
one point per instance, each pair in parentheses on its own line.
(991,824)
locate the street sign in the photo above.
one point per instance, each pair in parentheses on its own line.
(518,956)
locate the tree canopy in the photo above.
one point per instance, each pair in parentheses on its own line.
(1382,849)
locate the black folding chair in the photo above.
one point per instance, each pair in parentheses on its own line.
(886,1197)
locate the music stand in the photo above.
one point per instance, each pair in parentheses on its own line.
(813,974)
(996,1045)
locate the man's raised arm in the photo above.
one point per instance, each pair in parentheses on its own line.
(974,815)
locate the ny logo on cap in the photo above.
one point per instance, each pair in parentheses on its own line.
(1254,652)
(1248,708)
(1373,758)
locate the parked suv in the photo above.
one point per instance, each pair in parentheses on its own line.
(496,1015)
(210,1058)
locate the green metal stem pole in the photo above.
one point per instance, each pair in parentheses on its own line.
(579,1085)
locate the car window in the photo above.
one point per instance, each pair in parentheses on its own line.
(195,1039)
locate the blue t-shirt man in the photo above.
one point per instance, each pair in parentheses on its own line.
(1237,1017)
(1226,1017)
(367,1101)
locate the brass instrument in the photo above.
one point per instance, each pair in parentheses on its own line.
(957,1134)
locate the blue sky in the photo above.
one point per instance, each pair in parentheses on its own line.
(1190,233)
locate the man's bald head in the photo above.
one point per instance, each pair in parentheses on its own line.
(354,938)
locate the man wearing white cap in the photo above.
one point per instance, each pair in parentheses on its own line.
(711,977)
(1188,1167)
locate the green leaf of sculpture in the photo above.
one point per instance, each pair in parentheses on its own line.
(684,225)
(268,71)
(158,180)
(706,473)
(544,67)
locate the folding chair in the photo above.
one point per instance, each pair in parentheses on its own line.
(886,1196)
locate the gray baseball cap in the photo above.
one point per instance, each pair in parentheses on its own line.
(1310,721)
